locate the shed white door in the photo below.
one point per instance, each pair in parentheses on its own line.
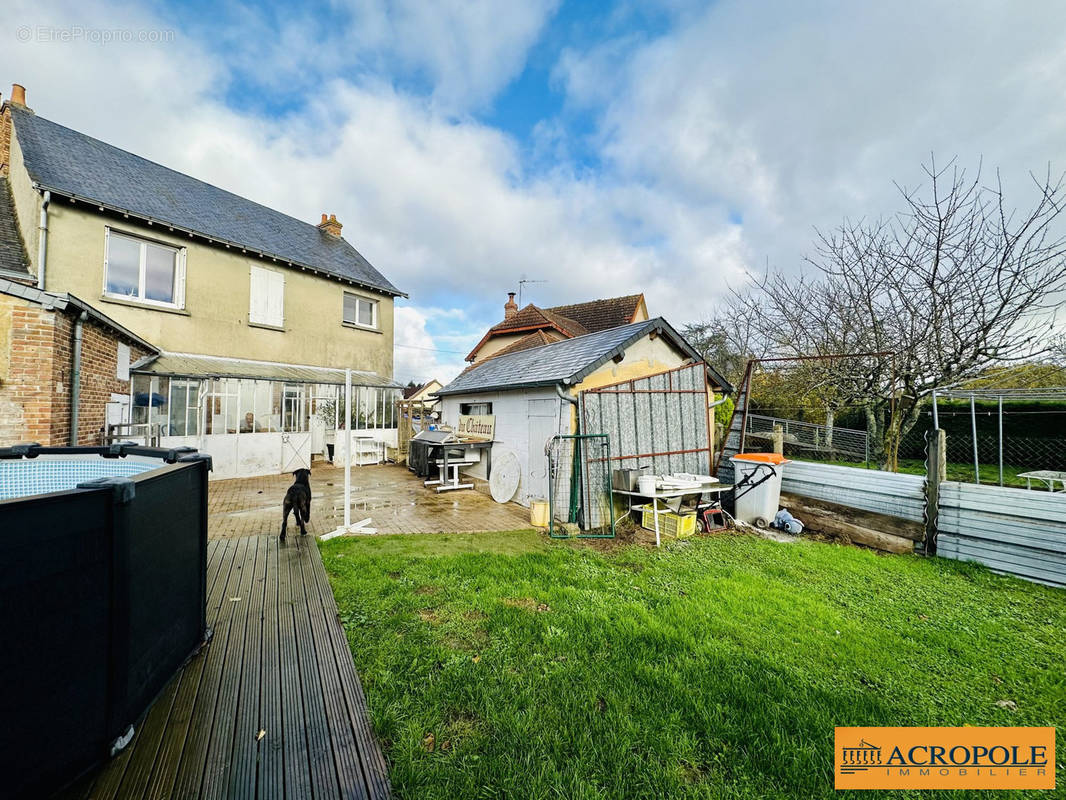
(543,425)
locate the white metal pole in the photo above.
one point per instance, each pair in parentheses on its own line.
(973,428)
(347,449)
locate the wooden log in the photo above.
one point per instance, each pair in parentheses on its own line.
(878,531)
(896,526)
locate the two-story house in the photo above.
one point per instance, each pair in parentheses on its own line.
(256,314)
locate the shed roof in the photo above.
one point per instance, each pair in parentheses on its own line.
(188,365)
(78,166)
(565,362)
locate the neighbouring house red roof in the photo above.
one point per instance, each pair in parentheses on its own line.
(599,315)
(570,321)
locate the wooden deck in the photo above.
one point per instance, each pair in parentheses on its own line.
(272,708)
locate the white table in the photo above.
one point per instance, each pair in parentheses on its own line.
(710,487)
(446,484)
(1046,476)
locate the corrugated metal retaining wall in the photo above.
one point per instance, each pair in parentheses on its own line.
(659,421)
(868,489)
(1016,531)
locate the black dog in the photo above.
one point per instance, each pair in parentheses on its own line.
(298,499)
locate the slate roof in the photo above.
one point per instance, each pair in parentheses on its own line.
(185,365)
(564,362)
(12,252)
(599,315)
(75,165)
(535,339)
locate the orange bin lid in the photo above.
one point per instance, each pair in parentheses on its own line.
(761,458)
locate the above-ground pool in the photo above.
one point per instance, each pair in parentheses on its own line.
(102,599)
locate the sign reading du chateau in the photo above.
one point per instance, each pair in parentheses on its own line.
(477,426)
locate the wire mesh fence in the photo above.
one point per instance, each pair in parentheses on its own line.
(579,486)
(1018,455)
(807,439)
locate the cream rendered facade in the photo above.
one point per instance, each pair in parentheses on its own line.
(260,398)
(215,317)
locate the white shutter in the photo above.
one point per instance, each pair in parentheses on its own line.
(179,278)
(257,308)
(276,302)
(267,297)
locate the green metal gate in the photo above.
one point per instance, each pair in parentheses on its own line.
(579,486)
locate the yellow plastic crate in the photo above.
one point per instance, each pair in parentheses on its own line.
(670,524)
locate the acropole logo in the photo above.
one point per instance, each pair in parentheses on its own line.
(945,758)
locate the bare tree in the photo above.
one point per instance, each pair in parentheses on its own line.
(954,284)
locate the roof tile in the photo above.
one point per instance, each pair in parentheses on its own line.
(565,361)
(12,252)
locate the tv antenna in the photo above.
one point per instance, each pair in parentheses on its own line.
(521,284)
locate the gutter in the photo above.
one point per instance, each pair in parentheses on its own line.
(42,239)
(75,377)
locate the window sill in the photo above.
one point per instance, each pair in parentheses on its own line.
(266,326)
(357,327)
(118,301)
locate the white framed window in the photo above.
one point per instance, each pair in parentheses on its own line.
(361,311)
(267,297)
(143,271)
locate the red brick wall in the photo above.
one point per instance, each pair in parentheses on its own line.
(99,370)
(35,392)
(25,391)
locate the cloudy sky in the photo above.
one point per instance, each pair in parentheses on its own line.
(602,148)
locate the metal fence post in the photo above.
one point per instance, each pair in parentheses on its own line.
(935,474)
(1001,440)
(779,439)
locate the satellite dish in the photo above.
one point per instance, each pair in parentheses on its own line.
(504,478)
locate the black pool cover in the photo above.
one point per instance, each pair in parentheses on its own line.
(103,600)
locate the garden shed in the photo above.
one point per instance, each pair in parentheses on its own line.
(560,388)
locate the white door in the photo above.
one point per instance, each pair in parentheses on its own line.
(543,425)
(295,451)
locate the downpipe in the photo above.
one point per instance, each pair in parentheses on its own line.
(42,239)
(75,377)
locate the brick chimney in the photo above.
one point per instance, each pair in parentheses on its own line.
(18,98)
(510,308)
(330,225)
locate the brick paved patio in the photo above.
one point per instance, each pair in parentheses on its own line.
(390,495)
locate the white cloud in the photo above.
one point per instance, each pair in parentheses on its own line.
(421,356)
(719,143)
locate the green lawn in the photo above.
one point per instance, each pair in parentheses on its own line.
(715,667)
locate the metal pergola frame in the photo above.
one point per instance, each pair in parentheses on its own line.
(997,394)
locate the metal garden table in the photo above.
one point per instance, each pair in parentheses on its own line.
(711,487)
